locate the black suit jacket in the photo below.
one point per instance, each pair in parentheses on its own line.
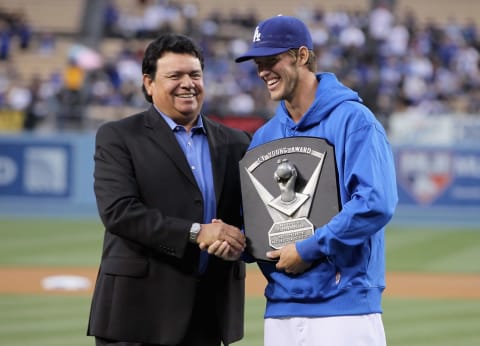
(147,199)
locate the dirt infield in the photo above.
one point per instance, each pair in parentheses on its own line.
(80,281)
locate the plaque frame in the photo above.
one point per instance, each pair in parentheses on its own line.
(289,188)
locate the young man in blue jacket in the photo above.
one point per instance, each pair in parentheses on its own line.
(337,301)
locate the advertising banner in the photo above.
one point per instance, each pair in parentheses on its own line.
(438,176)
(35,169)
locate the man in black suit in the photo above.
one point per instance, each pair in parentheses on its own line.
(168,192)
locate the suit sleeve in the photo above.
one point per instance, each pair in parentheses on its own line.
(119,198)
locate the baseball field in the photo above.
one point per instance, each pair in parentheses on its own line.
(432,298)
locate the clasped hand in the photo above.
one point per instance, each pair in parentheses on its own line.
(222,240)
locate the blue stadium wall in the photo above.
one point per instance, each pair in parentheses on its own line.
(52,176)
(47,175)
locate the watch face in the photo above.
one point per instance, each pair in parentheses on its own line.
(194,230)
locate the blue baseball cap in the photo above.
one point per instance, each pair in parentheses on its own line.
(277,35)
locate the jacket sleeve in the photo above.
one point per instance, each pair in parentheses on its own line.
(119,198)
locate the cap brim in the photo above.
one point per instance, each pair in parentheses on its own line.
(258,52)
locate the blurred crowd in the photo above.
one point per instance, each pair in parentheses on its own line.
(396,62)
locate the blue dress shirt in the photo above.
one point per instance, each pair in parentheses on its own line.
(195,146)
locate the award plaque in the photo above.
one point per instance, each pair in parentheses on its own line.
(289,188)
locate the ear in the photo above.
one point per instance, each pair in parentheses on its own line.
(303,55)
(148,83)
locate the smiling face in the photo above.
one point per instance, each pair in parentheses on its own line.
(280,74)
(177,89)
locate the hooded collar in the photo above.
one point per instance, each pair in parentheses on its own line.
(330,93)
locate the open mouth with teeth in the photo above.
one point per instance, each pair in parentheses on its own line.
(186,96)
(272,83)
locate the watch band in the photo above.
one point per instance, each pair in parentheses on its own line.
(194,230)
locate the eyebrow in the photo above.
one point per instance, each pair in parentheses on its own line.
(183,71)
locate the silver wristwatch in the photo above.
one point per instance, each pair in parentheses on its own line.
(194,230)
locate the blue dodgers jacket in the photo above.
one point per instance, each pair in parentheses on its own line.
(352,278)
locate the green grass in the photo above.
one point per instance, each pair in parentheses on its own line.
(51,320)
(433,250)
(416,322)
(44,320)
(61,321)
(56,243)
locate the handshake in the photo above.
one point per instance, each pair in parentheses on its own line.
(222,240)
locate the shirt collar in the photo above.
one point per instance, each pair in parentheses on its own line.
(173,125)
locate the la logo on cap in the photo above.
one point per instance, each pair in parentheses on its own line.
(256,35)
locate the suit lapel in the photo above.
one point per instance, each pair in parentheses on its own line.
(162,135)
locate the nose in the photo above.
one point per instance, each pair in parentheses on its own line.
(262,71)
(187,81)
